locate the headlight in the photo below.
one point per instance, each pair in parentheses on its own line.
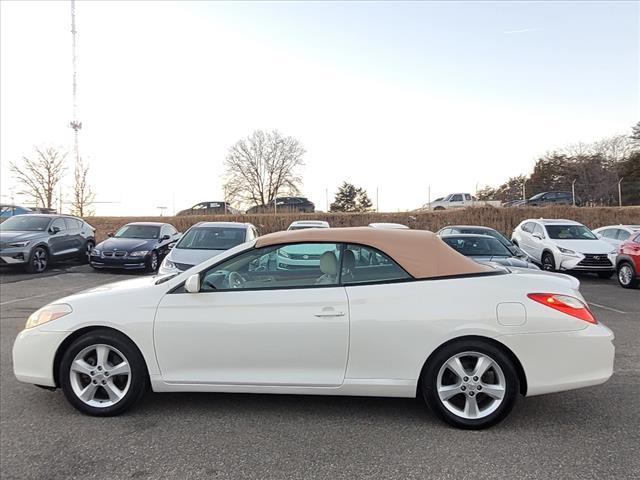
(139,253)
(613,252)
(19,244)
(169,264)
(47,314)
(282,253)
(566,250)
(95,252)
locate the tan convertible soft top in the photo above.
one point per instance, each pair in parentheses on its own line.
(423,254)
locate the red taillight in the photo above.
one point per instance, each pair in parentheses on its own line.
(565,304)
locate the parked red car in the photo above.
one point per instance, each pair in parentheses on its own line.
(628,262)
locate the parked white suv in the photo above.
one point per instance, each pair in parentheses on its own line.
(303,224)
(616,235)
(564,245)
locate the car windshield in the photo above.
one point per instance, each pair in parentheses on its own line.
(138,231)
(570,232)
(212,238)
(484,246)
(537,196)
(26,223)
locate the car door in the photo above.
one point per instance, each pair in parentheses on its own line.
(456,201)
(537,238)
(525,241)
(59,241)
(74,232)
(274,327)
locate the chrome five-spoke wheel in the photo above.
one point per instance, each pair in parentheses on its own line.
(100,375)
(471,385)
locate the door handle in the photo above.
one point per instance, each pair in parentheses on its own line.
(329,314)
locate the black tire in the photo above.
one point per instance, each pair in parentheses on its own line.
(438,208)
(605,275)
(624,279)
(38,260)
(548,262)
(154,262)
(83,254)
(138,372)
(429,383)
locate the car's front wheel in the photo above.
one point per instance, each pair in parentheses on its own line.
(152,263)
(84,255)
(627,275)
(37,261)
(102,373)
(470,384)
(548,262)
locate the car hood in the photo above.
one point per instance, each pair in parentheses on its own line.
(20,236)
(128,244)
(192,257)
(584,246)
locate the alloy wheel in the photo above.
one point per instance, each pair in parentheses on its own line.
(100,375)
(154,261)
(625,274)
(39,260)
(547,263)
(471,385)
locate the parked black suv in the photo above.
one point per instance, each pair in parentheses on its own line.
(34,240)
(551,198)
(286,204)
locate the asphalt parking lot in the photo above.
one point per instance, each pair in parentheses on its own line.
(591,433)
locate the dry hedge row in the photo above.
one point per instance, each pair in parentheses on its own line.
(502,219)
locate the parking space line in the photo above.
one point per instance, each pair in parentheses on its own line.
(16,300)
(606,308)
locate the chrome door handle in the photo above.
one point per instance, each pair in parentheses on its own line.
(330,314)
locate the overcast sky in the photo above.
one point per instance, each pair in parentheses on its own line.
(395,96)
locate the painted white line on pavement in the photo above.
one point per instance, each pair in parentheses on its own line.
(35,296)
(606,308)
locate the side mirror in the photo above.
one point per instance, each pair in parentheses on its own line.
(192,285)
(55,230)
(165,237)
(110,234)
(538,236)
(171,245)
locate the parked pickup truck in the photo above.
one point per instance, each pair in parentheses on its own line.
(461,200)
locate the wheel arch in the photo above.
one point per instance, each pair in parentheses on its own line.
(57,359)
(522,378)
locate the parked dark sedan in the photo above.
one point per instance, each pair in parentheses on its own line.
(209,208)
(286,204)
(33,241)
(485,249)
(480,230)
(140,245)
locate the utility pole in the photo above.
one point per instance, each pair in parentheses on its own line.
(620,191)
(75,124)
(573,192)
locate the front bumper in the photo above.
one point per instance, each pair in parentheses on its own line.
(555,362)
(14,256)
(129,263)
(582,264)
(33,356)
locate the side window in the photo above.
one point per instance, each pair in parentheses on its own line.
(255,233)
(60,223)
(610,233)
(623,234)
(171,230)
(72,224)
(456,198)
(283,266)
(528,227)
(539,230)
(467,197)
(249,234)
(445,231)
(366,265)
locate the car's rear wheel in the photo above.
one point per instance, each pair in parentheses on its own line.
(152,263)
(548,262)
(605,275)
(627,277)
(85,254)
(102,373)
(470,384)
(38,260)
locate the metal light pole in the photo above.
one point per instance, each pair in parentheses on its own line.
(524,191)
(377,202)
(620,191)
(75,124)
(573,192)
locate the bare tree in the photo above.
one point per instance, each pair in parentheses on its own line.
(263,166)
(39,177)
(83,195)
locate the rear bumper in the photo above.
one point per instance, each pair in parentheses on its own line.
(555,362)
(33,355)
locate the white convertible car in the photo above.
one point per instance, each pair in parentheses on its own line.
(381,312)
